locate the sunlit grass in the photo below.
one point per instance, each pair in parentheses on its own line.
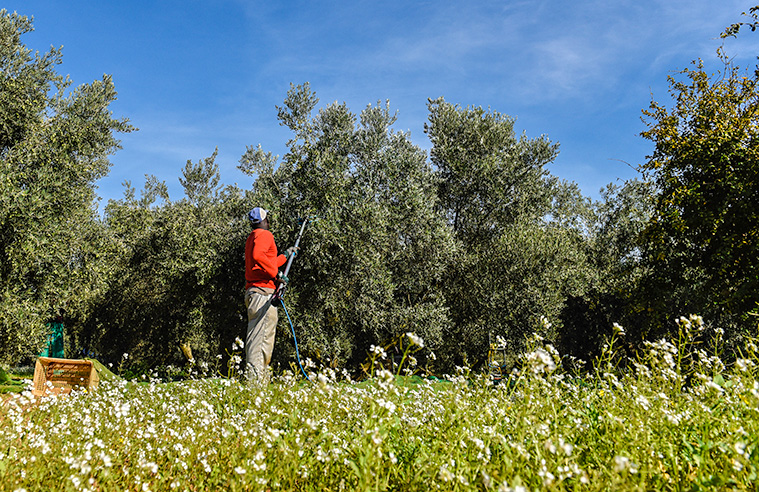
(676,419)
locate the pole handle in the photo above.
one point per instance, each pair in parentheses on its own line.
(276,299)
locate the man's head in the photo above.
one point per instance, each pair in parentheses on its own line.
(258,218)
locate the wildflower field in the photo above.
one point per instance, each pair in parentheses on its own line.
(674,418)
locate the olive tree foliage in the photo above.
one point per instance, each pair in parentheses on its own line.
(733,29)
(177,275)
(54,145)
(614,251)
(703,240)
(517,254)
(373,260)
(488,176)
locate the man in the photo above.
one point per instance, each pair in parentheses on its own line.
(261,268)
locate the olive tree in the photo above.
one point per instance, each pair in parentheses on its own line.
(373,261)
(54,145)
(518,254)
(614,247)
(177,272)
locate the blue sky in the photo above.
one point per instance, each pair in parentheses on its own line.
(193,75)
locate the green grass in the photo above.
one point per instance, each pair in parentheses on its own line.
(669,423)
(11,383)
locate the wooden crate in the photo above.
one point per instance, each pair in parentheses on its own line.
(63,375)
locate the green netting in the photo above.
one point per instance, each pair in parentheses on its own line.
(103,372)
(54,346)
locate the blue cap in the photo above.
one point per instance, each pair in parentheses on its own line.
(257,215)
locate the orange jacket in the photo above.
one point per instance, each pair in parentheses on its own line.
(261,260)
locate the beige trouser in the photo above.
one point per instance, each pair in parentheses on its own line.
(262,326)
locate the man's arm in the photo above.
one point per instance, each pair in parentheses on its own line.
(265,254)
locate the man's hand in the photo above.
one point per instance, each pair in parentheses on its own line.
(292,250)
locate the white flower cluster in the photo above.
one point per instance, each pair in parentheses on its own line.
(378,351)
(415,340)
(623,464)
(543,360)
(691,324)
(500,343)
(290,434)
(662,350)
(239,344)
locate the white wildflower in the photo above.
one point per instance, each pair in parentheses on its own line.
(550,446)
(622,464)
(415,340)
(378,351)
(152,467)
(505,488)
(714,386)
(565,447)
(106,460)
(384,375)
(740,448)
(500,342)
(547,477)
(618,329)
(696,322)
(486,480)
(643,402)
(540,361)
(744,365)
(387,405)
(376,437)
